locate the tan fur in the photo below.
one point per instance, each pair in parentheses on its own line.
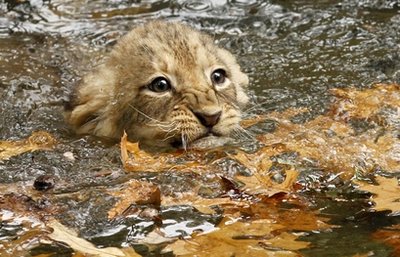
(115,98)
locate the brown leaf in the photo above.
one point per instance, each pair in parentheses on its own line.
(367,103)
(37,141)
(237,238)
(135,159)
(330,140)
(262,184)
(386,195)
(297,219)
(134,192)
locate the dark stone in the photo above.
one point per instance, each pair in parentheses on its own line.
(44,183)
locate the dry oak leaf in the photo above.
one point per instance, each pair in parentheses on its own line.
(63,234)
(262,184)
(37,141)
(293,219)
(134,192)
(367,103)
(334,146)
(135,159)
(201,204)
(237,238)
(386,195)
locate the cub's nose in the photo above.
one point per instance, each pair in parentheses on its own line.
(208,120)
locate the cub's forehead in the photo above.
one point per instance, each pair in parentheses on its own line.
(171,43)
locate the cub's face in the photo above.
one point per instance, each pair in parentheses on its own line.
(164,83)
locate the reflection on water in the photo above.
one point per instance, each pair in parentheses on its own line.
(293,51)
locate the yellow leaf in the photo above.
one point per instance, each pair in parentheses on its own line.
(262,184)
(135,159)
(237,238)
(134,192)
(367,103)
(330,140)
(37,141)
(386,195)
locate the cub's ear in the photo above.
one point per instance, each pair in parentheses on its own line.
(89,103)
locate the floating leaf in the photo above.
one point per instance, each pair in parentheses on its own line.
(37,141)
(260,163)
(237,238)
(386,195)
(156,237)
(261,184)
(134,192)
(331,141)
(366,103)
(63,234)
(135,159)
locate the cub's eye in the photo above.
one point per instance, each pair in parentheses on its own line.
(218,76)
(159,85)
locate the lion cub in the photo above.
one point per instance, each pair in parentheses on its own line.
(164,84)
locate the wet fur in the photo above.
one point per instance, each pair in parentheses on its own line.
(114,97)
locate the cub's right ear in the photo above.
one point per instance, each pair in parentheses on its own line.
(89,102)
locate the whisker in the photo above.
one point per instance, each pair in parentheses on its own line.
(255,106)
(243,134)
(166,126)
(168,137)
(184,140)
(144,114)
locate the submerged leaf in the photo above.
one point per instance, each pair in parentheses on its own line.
(134,192)
(390,236)
(386,195)
(37,141)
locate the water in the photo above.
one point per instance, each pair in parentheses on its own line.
(293,52)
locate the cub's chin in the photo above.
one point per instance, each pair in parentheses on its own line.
(164,84)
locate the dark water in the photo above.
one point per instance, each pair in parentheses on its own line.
(293,51)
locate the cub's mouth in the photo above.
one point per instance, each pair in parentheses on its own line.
(207,140)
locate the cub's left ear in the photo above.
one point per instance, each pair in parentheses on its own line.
(88,111)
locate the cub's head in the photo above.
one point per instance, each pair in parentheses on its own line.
(163,83)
